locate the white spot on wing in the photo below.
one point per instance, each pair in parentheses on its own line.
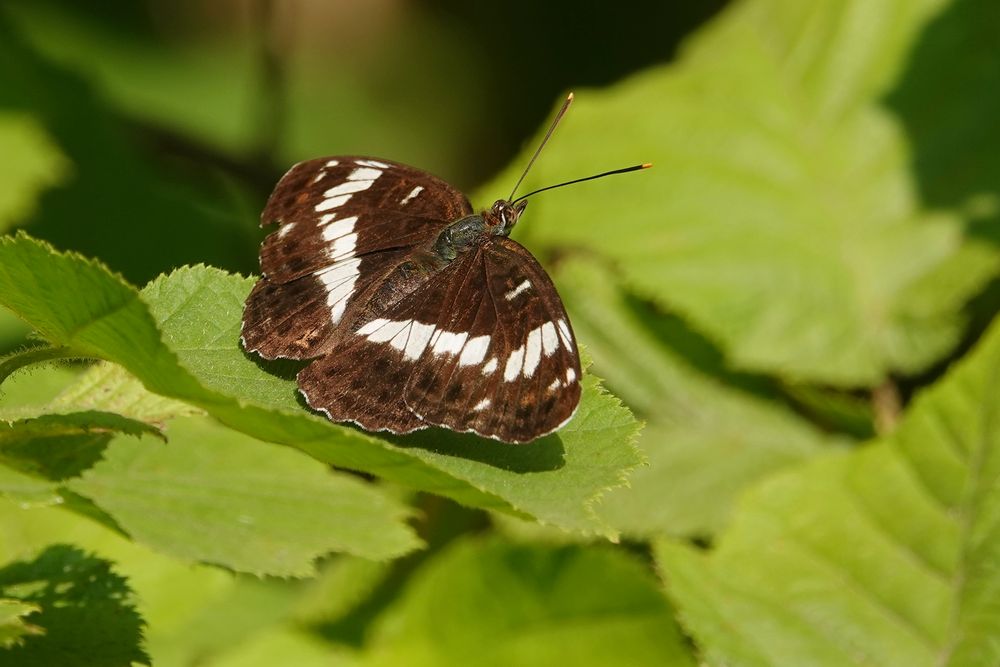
(348,187)
(388,331)
(319,176)
(564,333)
(413,193)
(339,228)
(482,405)
(570,375)
(326,218)
(343,247)
(490,366)
(514,363)
(372,326)
(399,340)
(550,340)
(364,174)
(332,202)
(339,282)
(420,335)
(533,352)
(373,163)
(523,287)
(337,273)
(450,343)
(555,384)
(284,229)
(332,163)
(474,351)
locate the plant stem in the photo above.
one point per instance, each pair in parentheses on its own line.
(887,406)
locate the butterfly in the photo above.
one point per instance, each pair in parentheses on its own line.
(415,310)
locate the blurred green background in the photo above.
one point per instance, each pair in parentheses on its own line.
(816,247)
(217,99)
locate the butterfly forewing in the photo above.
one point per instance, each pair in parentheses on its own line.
(344,224)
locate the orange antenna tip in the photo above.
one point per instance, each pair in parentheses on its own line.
(647,165)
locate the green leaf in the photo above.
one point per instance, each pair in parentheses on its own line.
(109,387)
(192,610)
(707,439)
(217,496)
(13,627)
(28,489)
(342,584)
(241,610)
(285,647)
(38,453)
(889,555)
(30,165)
(947,99)
(554,479)
(86,612)
(499,604)
(24,392)
(781,218)
(92,423)
(150,217)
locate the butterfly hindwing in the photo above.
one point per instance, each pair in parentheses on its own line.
(484,346)
(517,375)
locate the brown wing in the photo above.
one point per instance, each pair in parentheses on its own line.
(344,223)
(485,346)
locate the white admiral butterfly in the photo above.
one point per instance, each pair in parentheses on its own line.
(417,310)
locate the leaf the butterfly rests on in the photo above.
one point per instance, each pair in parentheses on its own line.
(416,311)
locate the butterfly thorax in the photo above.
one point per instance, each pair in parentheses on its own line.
(467,232)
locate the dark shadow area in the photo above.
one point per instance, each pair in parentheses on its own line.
(541,455)
(439,522)
(695,349)
(948,101)
(60,446)
(286,369)
(86,612)
(140,219)
(834,410)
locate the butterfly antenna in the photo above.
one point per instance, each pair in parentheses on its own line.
(637,167)
(552,127)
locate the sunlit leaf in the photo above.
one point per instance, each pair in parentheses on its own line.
(780,217)
(501,604)
(196,311)
(885,556)
(215,495)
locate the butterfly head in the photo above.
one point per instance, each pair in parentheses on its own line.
(503,215)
